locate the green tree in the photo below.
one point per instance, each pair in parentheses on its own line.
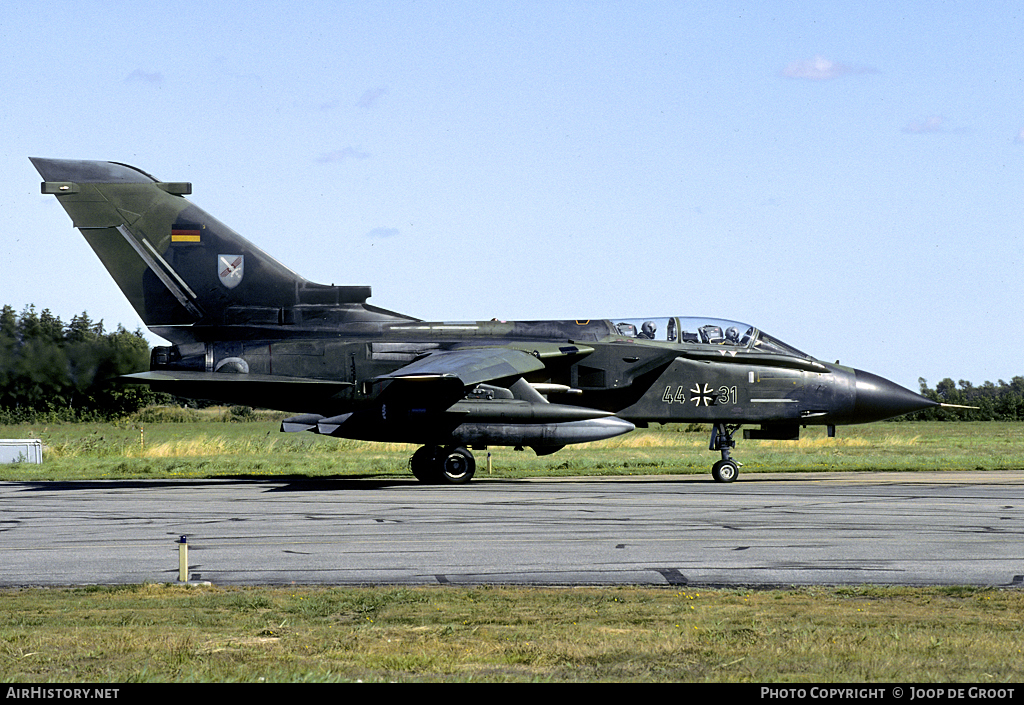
(47,367)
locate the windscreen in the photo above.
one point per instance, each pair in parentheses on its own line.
(768,344)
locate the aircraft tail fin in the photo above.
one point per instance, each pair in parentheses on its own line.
(179,266)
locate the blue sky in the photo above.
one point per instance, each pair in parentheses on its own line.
(847,176)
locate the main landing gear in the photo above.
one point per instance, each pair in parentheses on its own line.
(455,465)
(726,469)
(434,465)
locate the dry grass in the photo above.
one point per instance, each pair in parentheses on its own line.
(824,442)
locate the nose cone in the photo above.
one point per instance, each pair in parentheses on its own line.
(878,398)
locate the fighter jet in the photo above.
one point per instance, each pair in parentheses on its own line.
(247,330)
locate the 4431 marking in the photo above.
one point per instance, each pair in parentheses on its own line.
(701,394)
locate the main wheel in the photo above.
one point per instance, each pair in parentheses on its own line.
(457,466)
(424,464)
(725,471)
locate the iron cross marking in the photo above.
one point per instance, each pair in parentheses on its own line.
(702,396)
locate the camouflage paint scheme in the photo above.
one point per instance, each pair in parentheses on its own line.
(247,330)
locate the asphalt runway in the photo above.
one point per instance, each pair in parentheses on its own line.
(932,528)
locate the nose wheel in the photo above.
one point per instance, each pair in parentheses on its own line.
(726,469)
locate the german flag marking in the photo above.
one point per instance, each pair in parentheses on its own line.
(182,235)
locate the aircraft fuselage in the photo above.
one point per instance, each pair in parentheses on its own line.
(245,329)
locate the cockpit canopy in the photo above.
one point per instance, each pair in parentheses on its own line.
(703,331)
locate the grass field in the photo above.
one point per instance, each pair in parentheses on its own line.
(208,445)
(177,633)
(214,633)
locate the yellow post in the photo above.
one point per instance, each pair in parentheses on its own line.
(488,462)
(183,559)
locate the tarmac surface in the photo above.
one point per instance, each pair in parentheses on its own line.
(922,528)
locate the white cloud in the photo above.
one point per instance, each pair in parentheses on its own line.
(822,69)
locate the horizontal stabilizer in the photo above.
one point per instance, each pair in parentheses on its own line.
(302,422)
(265,391)
(163,377)
(328,427)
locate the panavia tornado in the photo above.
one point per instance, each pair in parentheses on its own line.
(247,330)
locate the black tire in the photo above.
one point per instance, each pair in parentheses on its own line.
(725,471)
(456,466)
(424,465)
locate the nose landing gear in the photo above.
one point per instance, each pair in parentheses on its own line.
(726,469)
